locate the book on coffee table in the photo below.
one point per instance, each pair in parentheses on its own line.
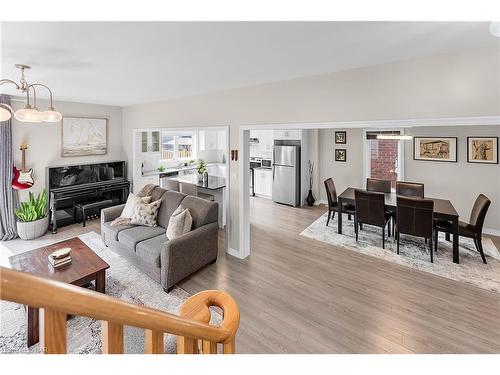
(60,257)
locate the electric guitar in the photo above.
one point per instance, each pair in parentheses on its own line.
(22,179)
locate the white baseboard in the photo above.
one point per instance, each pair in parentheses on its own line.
(320,201)
(234,253)
(493,232)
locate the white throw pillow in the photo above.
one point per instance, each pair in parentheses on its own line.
(132,201)
(145,214)
(180,223)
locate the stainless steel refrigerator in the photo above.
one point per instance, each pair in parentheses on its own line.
(286,175)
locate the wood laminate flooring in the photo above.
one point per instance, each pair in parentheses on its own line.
(298,295)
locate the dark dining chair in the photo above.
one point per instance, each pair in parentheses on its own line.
(378,185)
(473,229)
(370,210)
(410,189)
(381,186)
(414,216)
(333,203)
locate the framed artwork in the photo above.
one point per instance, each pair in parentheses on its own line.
(340,154)
(341,137)
(83,136)
(482,150)
(435,148)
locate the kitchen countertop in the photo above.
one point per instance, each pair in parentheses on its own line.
(155,172)
(213,183)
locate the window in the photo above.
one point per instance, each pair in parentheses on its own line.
(383,157)
(176,146)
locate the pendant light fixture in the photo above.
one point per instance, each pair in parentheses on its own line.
(30,112)
(394,135)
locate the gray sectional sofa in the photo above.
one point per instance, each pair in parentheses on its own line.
(166,261)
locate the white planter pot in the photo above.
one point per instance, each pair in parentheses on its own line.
(32,229)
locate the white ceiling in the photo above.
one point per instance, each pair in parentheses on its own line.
(125,63)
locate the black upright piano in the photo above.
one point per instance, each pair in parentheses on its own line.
(70,186)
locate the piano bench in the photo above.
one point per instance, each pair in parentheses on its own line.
(81,210)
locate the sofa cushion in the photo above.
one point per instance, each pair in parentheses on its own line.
(157,193)
(202,211)
(169,203)
(111,231)
(130,237)
(150,250)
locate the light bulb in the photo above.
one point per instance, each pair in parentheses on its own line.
(495,29)
(5,114)
(28,114)
(51,115)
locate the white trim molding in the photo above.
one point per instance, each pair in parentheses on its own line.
(378,124)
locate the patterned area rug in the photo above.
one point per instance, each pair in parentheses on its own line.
(414,252)
(123,281)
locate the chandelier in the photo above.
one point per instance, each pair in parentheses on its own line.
(30,112)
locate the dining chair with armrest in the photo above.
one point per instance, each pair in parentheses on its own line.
(410,189)
(333,203)
(473,229)
(192,189)
(414,216)
(370,210)
(171,184)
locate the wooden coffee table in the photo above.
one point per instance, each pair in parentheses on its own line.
(85,267)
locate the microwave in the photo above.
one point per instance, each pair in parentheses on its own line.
(267,163)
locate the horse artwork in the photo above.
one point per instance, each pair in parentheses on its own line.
(482,150)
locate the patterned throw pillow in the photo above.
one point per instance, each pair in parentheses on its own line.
(145,214)
(128,210)
(180,222)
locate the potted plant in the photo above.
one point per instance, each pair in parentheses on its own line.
(310,198)
(202,171)
(32,217)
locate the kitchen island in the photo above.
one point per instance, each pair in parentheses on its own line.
(214,185)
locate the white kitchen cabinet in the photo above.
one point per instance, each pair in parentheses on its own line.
(218,170)
(150,141)
(207,140)
(292,134)
(221,140)
(263,182)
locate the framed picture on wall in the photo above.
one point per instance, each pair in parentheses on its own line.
(83,136)
(435,148)
(482,150)
(341,137)
(340,154)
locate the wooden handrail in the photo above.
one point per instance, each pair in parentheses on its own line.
(58,297)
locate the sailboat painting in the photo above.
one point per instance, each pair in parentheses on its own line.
(84,136)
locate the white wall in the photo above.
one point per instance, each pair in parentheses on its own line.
(448,85)
(44,140)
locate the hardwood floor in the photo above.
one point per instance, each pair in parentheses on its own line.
(298,295)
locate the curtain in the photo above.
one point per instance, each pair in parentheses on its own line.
(8,196)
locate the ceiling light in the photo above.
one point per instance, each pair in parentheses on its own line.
(30,113)
(5,112)
(495,29)
(399,137)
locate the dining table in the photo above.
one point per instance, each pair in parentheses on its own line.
(443,210)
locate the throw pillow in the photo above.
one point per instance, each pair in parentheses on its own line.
(132,200)
(128,210)
(180,223)
(145,214)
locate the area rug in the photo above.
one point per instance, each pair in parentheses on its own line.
(414,253)
(123,281)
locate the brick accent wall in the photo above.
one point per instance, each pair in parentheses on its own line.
(384,153)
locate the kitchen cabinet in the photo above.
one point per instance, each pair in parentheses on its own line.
(292,134)
(218,170)
(150,141)
(212,140)
(263,182)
